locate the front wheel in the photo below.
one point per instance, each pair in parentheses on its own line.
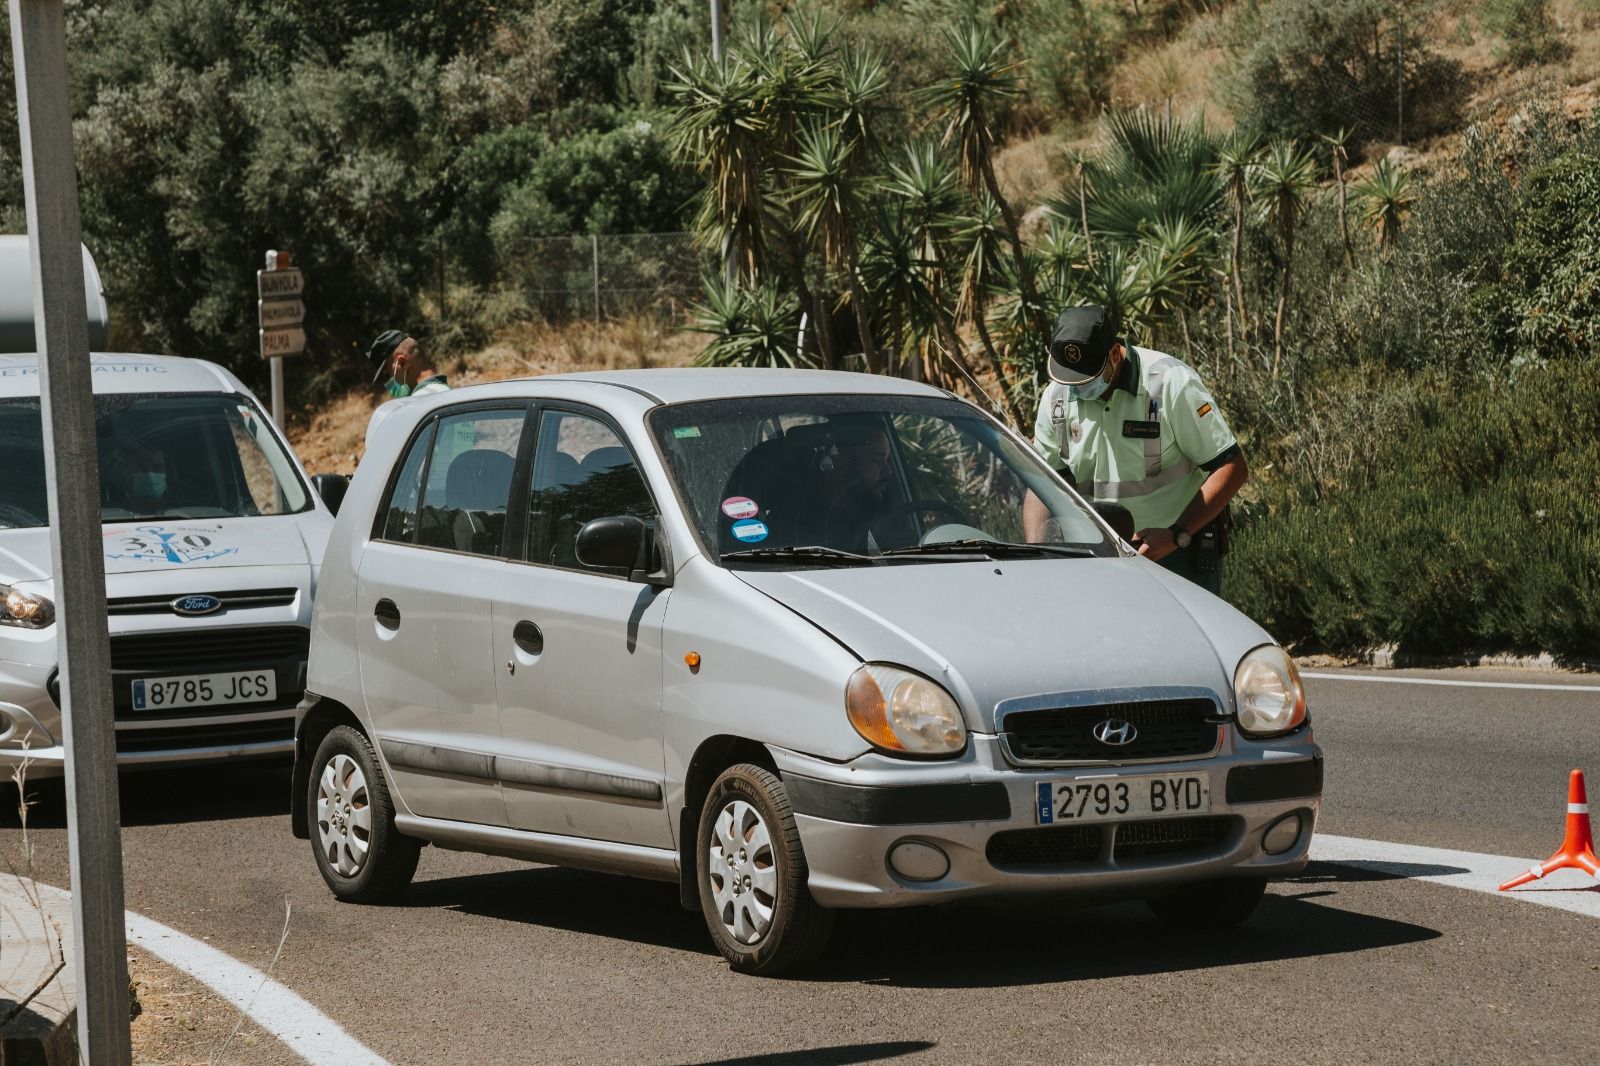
(752,876)
(362,856)
(1210,905)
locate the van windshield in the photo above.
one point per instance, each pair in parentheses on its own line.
(172,455)
(863,479)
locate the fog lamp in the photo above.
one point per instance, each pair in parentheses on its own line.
(916,860)
(1281,835)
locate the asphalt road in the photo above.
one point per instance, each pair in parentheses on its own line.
(490,961)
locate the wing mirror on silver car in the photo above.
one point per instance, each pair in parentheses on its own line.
(331,487)
(622,542)
(1118,517)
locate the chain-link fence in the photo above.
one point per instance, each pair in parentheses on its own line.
(609,274)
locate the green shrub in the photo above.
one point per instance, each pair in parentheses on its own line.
(1552,271)
(1526,28)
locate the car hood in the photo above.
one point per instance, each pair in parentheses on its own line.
(181,544)
(998,631)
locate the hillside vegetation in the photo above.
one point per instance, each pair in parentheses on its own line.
(1371,224)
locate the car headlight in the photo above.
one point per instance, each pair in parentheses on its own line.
(1267,689)
(25,609)
(903,713)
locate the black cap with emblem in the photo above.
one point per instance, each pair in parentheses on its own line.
(382,348)
(1080,345)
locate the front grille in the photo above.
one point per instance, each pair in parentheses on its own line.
(231,601)
(1046,846)
(1170,836)
(1165,729)
(215,735)
(201,650)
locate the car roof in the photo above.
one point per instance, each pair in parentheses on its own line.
(686,384)
(118,372)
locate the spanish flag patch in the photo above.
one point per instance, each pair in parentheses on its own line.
(1203,410)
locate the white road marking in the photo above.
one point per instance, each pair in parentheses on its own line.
(272,1006)
(1567,890)
(1450,684)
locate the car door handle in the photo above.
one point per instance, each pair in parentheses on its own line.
(387,612)
(528,637)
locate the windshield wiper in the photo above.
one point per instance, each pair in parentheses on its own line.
(994,549)
(805,553)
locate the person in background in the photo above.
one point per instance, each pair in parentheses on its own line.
(1138,427)
(397,357)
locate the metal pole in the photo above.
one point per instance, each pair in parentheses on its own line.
(277,391)
(595,244)
(1400,82)
(72,472)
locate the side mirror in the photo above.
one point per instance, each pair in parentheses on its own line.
(621,542)
(331,487)
(1118,517)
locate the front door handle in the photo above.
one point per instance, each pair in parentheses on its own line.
(528,637)
(387,612)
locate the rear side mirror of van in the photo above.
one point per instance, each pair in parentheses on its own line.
(621,542)
(331,487)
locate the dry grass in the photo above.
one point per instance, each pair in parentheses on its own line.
(330,442)
(1179,73)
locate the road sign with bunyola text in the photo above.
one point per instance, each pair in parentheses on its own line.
(276,284)
(282,311)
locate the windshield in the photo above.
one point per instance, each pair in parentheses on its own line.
(850,480)
(177,455)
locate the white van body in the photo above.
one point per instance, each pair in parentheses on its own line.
(209,606)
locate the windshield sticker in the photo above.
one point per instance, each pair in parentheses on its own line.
(750,531)
(686,431)
(740,507)
(167,544)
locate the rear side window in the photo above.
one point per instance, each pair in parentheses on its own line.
(467,488)
(400,517)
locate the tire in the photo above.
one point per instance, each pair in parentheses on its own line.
(362,863)
(760,913)
(1208,906)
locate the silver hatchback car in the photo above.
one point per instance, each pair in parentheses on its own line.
(781,638)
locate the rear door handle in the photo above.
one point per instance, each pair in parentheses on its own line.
(387,612)
(528,637)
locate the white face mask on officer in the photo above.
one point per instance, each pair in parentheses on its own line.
(1095,388)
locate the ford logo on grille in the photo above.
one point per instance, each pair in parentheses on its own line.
(196,605)
(1114,732)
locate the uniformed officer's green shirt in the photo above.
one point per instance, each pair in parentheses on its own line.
(1103,442)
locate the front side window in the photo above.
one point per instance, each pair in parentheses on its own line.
(162,456)
(581,471)
(831,480)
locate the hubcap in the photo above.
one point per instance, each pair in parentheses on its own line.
(744,878)
(344,816)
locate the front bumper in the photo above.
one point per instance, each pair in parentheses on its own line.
(980,813)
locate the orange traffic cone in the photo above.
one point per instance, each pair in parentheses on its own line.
(1577,850)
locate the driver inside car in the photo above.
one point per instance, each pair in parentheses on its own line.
(136,478)
(852,508)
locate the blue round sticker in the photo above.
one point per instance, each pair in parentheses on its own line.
(750,531)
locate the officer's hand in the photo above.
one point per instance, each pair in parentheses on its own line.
(1155,543)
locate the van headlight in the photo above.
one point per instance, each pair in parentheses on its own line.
(25,609)
(903,713)
(1268,692)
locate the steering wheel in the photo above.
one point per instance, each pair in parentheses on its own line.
(900,510)
(18,517)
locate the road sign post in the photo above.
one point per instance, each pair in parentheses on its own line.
(72,476)
(281,313)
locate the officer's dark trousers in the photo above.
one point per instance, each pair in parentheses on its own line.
(1187,564)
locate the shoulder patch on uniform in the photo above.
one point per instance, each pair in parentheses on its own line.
(1203,410)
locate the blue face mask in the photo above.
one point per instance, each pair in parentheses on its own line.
(1089,390)
(397,390)
(150,484)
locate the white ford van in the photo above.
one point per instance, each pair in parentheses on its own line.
(213,539)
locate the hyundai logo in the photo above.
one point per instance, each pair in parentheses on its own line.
(191,606)
(1115,733)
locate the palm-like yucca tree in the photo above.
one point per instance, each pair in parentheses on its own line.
(826,196)
(981,77)
(1386,199)
(1283,180)
(1117,283)
(926,185)
(894,269)
(1153,170)
(748,326)
(1235,158)
(1171,260)
(863,81)
(720,128)
(1338,145)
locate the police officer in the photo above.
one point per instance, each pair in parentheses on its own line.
(1137,427)
(398,357)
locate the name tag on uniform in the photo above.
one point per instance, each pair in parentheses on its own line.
(1133,427)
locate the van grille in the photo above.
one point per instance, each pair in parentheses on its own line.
(1165,729)
(200,650)
(231,601)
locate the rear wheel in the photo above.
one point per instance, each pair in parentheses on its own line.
(1210,905)
(752,875)
(361,854)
